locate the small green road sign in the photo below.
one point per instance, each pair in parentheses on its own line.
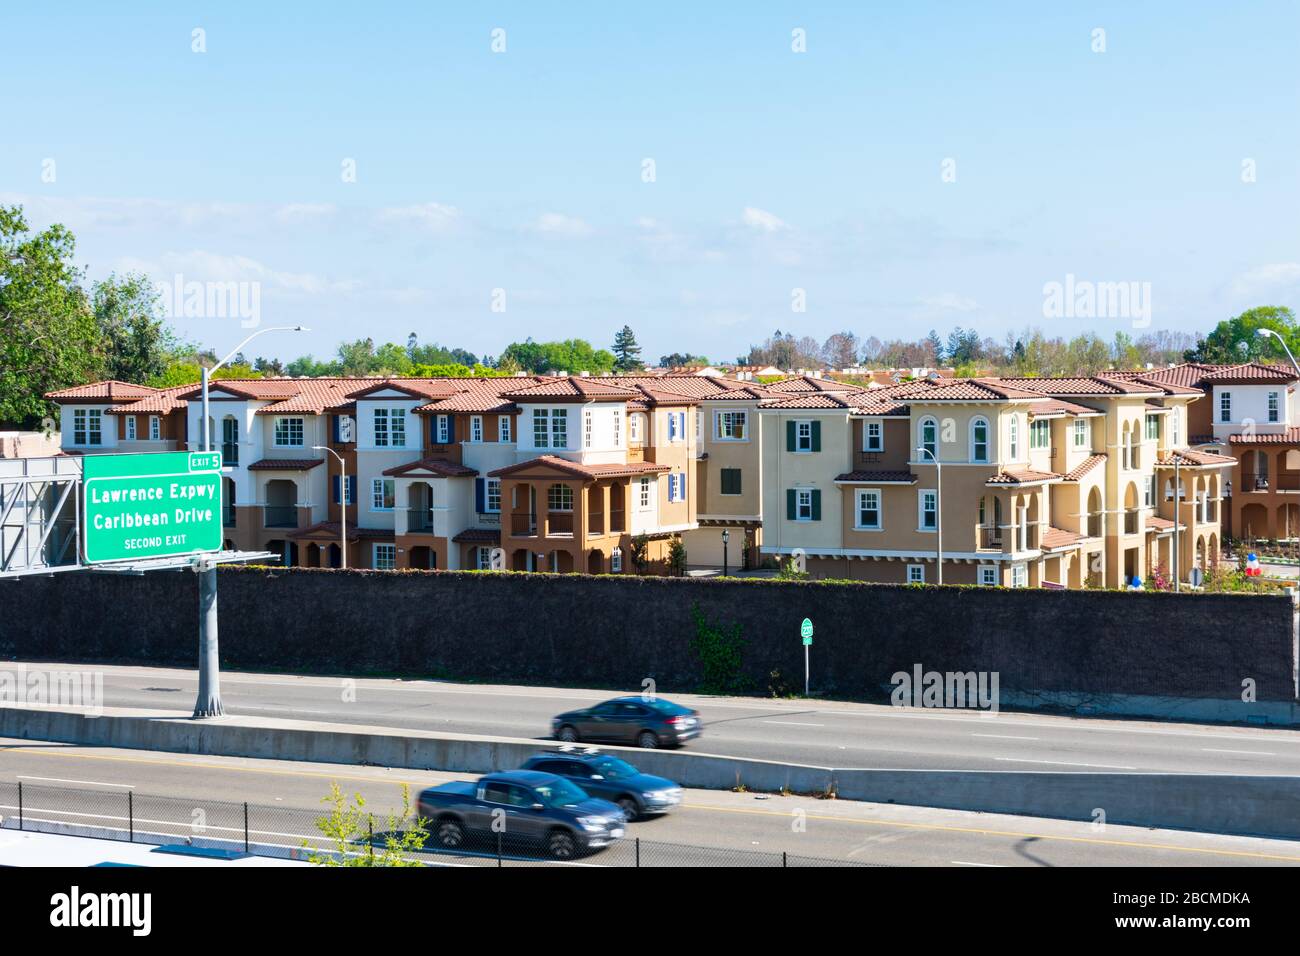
(806,631)
(151,506)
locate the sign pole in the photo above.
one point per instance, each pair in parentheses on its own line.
(208,702)
(806,632)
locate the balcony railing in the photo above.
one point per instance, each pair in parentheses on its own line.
(419,521)
(616,525)
(559,522)
(1130,522)
(990,539)
(595,524)
(1094,526)
(523,525)
(1261,481)
(280,516)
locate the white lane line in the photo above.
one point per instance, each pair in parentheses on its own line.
(1003,736)
(791,723)
(1065,763)
(84,783)
(966,863)
(1253,753)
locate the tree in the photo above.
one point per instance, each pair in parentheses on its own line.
(48,336)
(677,557)
(626,351)
(935,346)
(351,830)
(136,341)
(681,360)
(571,355)
(271,367)
(841,350)
(1238,339)
(640,550)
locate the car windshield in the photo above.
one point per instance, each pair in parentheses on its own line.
(668,707)
(611,768)
(560,793)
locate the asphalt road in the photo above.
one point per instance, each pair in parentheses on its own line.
(710,827)
(820,733)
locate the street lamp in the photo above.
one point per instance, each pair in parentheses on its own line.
(208,702)
(343,498)
(725,536)
(938,512)
(1265,333)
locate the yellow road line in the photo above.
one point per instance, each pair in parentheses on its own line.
(939,827)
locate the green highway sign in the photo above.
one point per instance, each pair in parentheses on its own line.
(150,506)
(806,631)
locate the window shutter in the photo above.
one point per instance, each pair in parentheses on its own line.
(789,504)
(334,419)
(816,435)
(789,436)
(352,489)
(334,482)
(816,505)
(480,495)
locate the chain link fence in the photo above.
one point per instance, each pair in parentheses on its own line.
(293,833)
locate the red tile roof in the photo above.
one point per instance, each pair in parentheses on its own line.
(444,469)
(806,383)
(1059,406)
(1098,385)
(968,390)
(1157,523)
(1187,458)
(1251,373)
(881,477)
(478,536)
(1289,437)
(109,390)
(285,464)
(581,470)
(1085,466)
(572,388)
(1054,539)
(1021,476)
(327,530)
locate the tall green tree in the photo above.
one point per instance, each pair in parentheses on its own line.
(48,336)
(136,341)
(627,354)
(1238,339)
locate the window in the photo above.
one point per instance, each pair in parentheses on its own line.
(155,428)
(288,432)
(803,504)
(492,496)
(1040,434)
(730,481)
(559,498)
(350,491)
(979,440)
(803,436)
(397,422)
(87,426)
(503,429)
(1153,428)
(634,428)
(541,428)
(442,430)
(476,428)
(869,509)
(1149,493)
(929,439)
(1175,417)
(927,509)
(382,495)
(731,426)
(645,492)
(699,425)
(390,428)
(1082,433)
(988,576)
(385,557)
(586,428)
(916,574)
(873,436)
(676,426)
(483,559)
(1019,576)
(1225,406)
(618,428)
(229,440)
(1273,408)
(130,428)
(676,487)
(616,560)
(1014,443)
(559,428)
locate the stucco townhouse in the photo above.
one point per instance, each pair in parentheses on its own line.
(1030,482)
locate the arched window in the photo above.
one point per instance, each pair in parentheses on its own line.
(979,440)
(930,438)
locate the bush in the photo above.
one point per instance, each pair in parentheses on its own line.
(721,651)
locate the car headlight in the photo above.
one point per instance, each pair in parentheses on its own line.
(592,823)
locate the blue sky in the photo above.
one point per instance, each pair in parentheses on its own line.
(774,170)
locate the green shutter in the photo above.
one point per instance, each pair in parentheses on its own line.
(816,500)
(816,435)
(789,436)
(789,504)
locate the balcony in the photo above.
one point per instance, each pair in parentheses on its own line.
(419,522)
(280,516)
(595,523)
(523,525)
(616,525)
(1094,526)
(559,522)
(1130,522)
(229,454)
(1262,481)
(988,539)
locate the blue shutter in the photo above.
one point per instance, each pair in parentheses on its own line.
(334,480)
(352,489)
(480,495)
(336,433)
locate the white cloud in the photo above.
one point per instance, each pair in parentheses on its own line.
(762,220)
(434,216)
(204,266)
(560,226)
(1267,278)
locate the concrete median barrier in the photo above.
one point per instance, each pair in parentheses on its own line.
(1237,804)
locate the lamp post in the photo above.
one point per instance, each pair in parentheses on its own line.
(343,499)
(208,702)
(1265,333)
(725,536)
(938,512)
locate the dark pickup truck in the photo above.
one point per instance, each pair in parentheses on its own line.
(528,809)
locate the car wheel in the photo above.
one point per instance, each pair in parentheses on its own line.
(450,833)
(562,845)
(647,740)
(629,808)
(568,734)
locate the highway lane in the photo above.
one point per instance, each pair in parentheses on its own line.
(711,826)
(824,733)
